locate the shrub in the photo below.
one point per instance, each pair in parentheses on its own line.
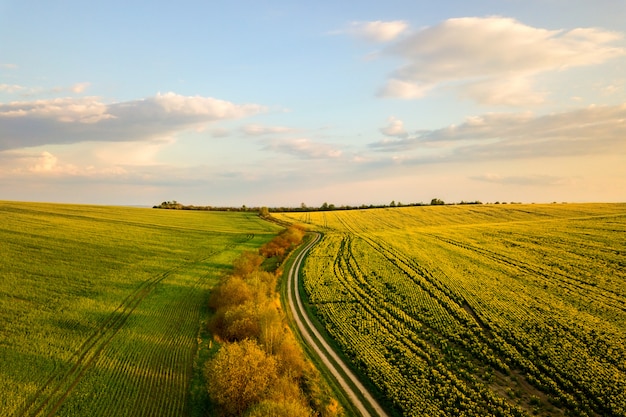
(239,375)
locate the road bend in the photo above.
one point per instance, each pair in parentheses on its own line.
(329,357)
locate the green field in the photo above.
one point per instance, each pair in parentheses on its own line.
(101,307)
(477,309)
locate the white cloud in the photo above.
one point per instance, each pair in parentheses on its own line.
(79,87)
(11,88)
(404,89)
(45,163)
(304,148)
(377,31)
(395,127)
(493,59)
(260,130)
(40,164)
(66,110)
(72,120)
(516,91)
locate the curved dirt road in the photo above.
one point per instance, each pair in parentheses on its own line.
(328,356)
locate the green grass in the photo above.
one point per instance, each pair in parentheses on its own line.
(101,307)
(478,310)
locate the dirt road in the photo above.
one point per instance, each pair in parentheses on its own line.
(363,401)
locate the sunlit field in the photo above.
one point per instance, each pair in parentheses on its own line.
(101,307)
(477,309)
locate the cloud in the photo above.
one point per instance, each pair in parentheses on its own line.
(9,66)
(516,91)
(17,164)
(526,180)
(395,127)
(586,131)
(492,60)
(260,130)
(304,148)
(79,87)
(403,89)
(377,31)
(219,132)
(11,88)
(130,153)
(73,120)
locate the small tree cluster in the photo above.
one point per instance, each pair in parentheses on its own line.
(437,202)
(260,369)
(283,243)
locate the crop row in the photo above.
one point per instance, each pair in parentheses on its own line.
(111,328)
(500,317)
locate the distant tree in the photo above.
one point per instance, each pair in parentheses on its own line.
(393,203)
(264,212)
(324,206)
(436,202)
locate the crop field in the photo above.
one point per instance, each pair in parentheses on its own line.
(101,307)
(477,309)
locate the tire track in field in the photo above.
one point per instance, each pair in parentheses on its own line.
(420,275)
(549,369)
(550,373)
(440,294)
(432,338)
(47,400)
(603,296)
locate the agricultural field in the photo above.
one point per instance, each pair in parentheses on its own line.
(504,310)
(101,307)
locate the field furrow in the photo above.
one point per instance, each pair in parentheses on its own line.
(111,304)
(480,310)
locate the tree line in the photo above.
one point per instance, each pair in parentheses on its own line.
(260,368)
(174,205)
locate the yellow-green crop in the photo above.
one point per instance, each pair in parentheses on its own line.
(478,310)
(101,307)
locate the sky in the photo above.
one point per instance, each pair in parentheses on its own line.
(280,103)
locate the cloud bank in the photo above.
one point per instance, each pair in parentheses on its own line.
(72,120)
(492,60)
(587,131)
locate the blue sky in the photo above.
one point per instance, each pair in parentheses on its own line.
(280,103)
